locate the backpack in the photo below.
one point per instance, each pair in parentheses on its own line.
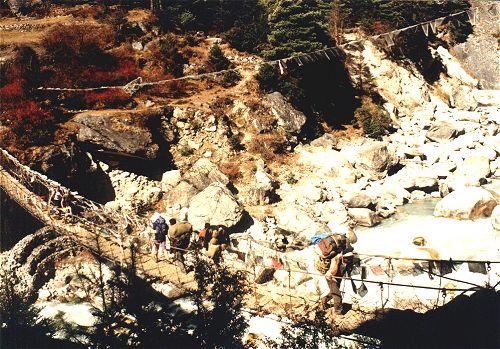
(160,227)
(331,245)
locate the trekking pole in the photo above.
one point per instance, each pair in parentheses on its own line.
(289,288)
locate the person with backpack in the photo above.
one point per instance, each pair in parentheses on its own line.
(204,236)
(179,235)
(160,228)
(335,254)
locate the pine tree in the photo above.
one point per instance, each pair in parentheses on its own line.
(217,58)
(296,26)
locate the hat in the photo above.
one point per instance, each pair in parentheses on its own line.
(419,241)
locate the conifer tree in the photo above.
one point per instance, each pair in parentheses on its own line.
(296,26)
(217,58)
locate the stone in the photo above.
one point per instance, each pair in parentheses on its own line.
(357,200)
(327,163)
(495,218)
(286,116)
(292,218)
(474,168)
(170,179)
(466,203)
(364,216)
(215,205)
(203,173)
(373,157)
(426,184)
(138,46)
(441,131)
(325,141)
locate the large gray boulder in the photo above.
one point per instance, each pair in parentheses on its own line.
(441,131)
(357,200)
(181,194)
(373,157)
(215,205)
(292,218)
(286,116)
(203,173)
(118,132)
(466,203)
(476,167)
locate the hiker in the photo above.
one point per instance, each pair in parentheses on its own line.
(218,243)
(204,236)
(179,235)
(160,228)
(335,258)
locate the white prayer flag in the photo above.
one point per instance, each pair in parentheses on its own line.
(425,28)
(472,14)
(282,69)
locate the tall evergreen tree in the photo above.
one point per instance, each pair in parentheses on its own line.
(296,26)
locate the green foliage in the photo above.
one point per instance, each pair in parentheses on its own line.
(374,119)
(186,150)
(220,322)
(244,22)
(235,142)
(173,59)
(296,27)
(230,78)
(267,77)
(290,178)
(217,58)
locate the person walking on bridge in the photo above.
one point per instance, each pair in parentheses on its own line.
(160,228)
(179,235)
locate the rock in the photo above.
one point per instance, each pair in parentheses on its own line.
(325,141)
(425,184)
(441,131)
(495,218)
(466,203)
(203,173)
(118,132)
(286,116)
(138,46)
(292,218)
(357,200)
(44,295)
(215,205)
(474,167)
(327,163)
(373,157)
(181,194)
(170,179)
(364,216)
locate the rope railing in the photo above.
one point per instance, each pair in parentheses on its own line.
(301,58)
(110,241)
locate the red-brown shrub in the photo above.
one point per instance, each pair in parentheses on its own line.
(12,92)
(78,43)
(106,99)
(29,121)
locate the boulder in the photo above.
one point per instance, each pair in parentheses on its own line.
(357,200)
(181,194)
(474,167)
(170,179)
(215,205)
(373,157)
(118,132)
(425,184)
(292,218)
(441,131)
(495,218)
(325,141)
(327,163)
(466,203)
(203,173)
(364,216)
(286,116)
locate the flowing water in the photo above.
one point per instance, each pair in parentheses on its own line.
(450,238)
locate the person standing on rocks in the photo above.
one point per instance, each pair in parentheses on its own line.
(160,228)
(204,236)
(179,235)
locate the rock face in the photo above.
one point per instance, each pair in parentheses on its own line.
(215,205)
(120,132)
(286,116)
(133,192)
(466,203)
(293,218)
